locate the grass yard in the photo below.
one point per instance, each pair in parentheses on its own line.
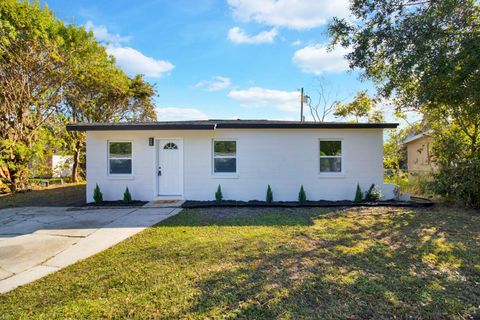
(363,263)
(55,195)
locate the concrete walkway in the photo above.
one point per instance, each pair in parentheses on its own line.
(37,241)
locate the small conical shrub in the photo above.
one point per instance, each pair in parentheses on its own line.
(269,195)
(97,195)
(127,197)
(302,197)
(218,194)
(358,194)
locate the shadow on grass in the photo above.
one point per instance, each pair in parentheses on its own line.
(411,264)
(362,263)
(246,217)
(61,196)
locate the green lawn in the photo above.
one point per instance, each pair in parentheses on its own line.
(364,263)
(56,195)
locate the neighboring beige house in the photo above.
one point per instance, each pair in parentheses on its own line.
(419,154)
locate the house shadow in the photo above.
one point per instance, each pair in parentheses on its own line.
(54,196)
(406,266)
(253,216)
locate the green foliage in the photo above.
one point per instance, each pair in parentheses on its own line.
(97,195)
(361,107)
(358,194)
(302,196)
(460,183)
(457,171)
(400,179)
(423,56)
(218,194)
(32,61)
(127,197)
(373,193)
(422,52)
(413,183)
(51,74)
(269,197)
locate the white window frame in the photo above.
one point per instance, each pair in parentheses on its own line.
(122,158)
(341,156)
(225,174)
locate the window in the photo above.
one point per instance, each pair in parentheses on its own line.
(224,156)
(170,146)
(120,158)
(330,156)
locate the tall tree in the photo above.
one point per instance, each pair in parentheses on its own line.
(32,60)
(425,54)
(99,91)
(51,74)
(324,103)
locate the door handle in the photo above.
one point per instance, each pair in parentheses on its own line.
(159,171)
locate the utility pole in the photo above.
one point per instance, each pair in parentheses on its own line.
(301,105)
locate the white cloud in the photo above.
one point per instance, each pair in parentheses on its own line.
(260,97)
(296,43)
(133,62)
(176,114)
(215,84)
(317,59)
(293,14)
(130,60)
(102,34)
(237,35)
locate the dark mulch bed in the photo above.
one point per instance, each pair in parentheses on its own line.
(118,203)
(294,204)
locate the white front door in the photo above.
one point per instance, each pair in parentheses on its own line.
(170,167)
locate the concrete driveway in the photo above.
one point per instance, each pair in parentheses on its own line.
(36,241)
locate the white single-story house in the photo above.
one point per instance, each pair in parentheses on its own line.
(189,159)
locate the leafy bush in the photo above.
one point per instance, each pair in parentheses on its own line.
(413,183)
(456,156)
(400,179)
(358,194)
(97,195)
(269,194)
(302,196)
(460,182)
(218,194)
(127,197)
(421,184)
(373,193)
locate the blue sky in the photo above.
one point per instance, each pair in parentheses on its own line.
(222,58)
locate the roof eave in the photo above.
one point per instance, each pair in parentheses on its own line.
(116,127)
(220,125)
(307,126)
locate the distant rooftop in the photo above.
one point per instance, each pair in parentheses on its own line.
(416,137)
(214,124)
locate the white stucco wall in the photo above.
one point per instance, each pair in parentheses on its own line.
(283,158)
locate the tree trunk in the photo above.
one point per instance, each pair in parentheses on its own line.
(76,160)
(7,178)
